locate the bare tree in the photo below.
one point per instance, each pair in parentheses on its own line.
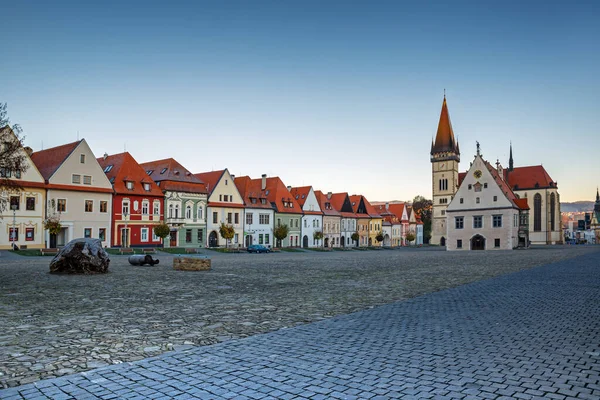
(12,157)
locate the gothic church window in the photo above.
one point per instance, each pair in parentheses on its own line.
(537,212)
(552,211)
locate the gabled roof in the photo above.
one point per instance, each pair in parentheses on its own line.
(370,209)
(211,179)
(323,200)
(398,210)
(49,160)
(341,203)
(444,139)
(120,168)
(356,200)
(279,196)
(301,195)
(250,189)
(171,175)
(521,178)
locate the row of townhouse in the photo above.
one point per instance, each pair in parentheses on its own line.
(120,201)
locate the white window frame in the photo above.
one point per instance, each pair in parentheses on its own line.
(144,232)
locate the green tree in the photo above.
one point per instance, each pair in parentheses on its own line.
(162,230)
(13,159)
(423,209)
(227,232)
(281,233)
(355,236)
(410,237)
(379,237)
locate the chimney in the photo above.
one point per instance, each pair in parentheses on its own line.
(387,206)
(329,194)
(233,177)
(105,156)
(263,184)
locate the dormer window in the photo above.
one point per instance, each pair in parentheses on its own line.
(150,172)
(108,168)
(163,171)
(147,187)
(253,200)
(129,185)
(82,158)
(263,201)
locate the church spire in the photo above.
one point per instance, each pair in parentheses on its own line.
(444,139)
(510,159)
(597,205)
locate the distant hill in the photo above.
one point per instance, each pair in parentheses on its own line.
(577,206)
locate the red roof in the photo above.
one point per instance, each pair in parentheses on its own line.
(252,193)
(49,160)
(210,178)
(502,184)
(323,200)
(279,196)
(300,194)
(528,177)
(444,139)
(522,203)
(398,210)
(370,209)
(170,175)
(121,168)
(337,201)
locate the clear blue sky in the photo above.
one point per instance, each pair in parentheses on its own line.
(344,96)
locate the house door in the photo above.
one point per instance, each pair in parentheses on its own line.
(124,237)
(443,241)
(305,241)
(213,241)
(53,240)
(477,242)
(173,239)
(248,240)
(343,241)
(326,242)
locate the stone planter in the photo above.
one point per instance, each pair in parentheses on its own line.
(196,263)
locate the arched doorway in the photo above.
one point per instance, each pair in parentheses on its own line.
(477,242)
(343,241)
(370,242)
(305,241)
(386,240)
(443,241)
(213,240)
(326,242)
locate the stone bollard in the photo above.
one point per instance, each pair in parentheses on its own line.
(139,259)
(195,263)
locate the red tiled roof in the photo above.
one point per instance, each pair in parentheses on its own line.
(522,204)
(461,177)
(210,178)
(277,193)
(123,167)
(322,199)
(398,210)
(300,194)
(252,189)
(444,139)
(49,160)
(528,177)
(502,184)
(170,170)
(355,201)
(370,209)
(337,202)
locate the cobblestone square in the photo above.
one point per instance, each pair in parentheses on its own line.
(58,325)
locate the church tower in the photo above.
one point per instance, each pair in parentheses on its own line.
(445,156)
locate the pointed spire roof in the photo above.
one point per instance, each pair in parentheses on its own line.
(597,205)
(444,139)
(510,159)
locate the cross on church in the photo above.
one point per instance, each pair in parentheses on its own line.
(478,149)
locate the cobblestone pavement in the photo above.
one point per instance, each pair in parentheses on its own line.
(57,325)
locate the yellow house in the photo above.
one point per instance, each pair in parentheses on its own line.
(375,224)
(22,218)
(360,209)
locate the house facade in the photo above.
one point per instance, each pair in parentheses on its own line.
(137,203)
(363,219)
(287,212)
(184,204)
(341,203)
(77,192)
(375,224)
(332,220)
(225,206)
(312,216)
(22,221)
(485,214)
(259,215)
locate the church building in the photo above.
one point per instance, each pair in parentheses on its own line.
(485,214)
(530,182)
(595,221)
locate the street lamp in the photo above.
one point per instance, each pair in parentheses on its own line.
(13,207)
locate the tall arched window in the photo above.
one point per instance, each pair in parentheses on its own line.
(552,211)
(537,212)
(200,213)
(170,210)
(188,212)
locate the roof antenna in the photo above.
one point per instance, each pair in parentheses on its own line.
(78,136)
(444,93)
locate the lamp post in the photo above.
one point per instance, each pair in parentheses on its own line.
(13,207)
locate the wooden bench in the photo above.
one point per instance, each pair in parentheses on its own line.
(149,251)
(126,250)
(189,250)
(48,251)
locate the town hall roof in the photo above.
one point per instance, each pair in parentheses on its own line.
(120,168)
(530,177)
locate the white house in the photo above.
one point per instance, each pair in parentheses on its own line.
(349,220)
(312,216)
(259,214)
(22,220)
(485,214)
(225,205)
(78,192)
